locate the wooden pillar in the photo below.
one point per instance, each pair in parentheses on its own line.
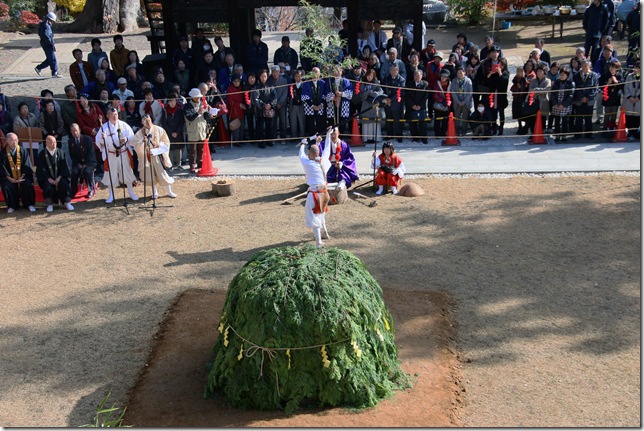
(353,8)
(418,25)
(241,22)
(169,32)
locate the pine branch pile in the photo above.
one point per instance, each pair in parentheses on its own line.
(303,325)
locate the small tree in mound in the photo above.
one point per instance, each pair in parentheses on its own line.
(305,325)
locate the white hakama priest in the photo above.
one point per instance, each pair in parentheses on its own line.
(152,146)
(315,167)
(113,140)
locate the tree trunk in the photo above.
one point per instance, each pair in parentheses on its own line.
(129,13)
(98,16)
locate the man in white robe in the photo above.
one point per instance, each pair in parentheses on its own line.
(113,140)
(153,157)
(315,167)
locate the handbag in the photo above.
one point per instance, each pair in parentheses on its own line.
(234,124)
(269,113)
(440,107)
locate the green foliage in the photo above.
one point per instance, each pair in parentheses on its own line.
(301,326)
(107,417)
(471,11)
(327,46)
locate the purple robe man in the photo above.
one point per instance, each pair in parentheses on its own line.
(343,168)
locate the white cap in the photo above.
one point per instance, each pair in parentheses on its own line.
(121,80)
(51,16)
(195,93)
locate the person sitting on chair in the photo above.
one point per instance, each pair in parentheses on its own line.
(81,150)
(53,176)
(391,168)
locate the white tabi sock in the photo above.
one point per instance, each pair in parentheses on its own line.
(170,192)
(110,199)
(380,190)
(318,237)
(131,192)
(394,190)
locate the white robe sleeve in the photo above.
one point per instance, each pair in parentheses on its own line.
(400,170)
(377,161)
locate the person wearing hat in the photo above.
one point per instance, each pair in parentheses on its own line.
(461,39)
(122,91)
(197,118)
(81,72)
(427,54)
(256,53)
(46,34)
(491,74)
(402,46)
(287,55)
(377,38)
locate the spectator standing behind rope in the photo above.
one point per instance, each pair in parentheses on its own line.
(584,99)
(46,34)
(540,86)
(197,119)
(416,107)
(631,102)
(611,85)
(393,86)
(461,91)
(563,91)
(173,122)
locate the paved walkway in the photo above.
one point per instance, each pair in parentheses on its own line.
(433,159)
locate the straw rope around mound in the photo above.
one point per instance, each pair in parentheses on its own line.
(304,325)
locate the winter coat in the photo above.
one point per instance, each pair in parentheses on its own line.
(595,19)
(585,87)
(541,89)
(614,91)
(632,89)
(462,91)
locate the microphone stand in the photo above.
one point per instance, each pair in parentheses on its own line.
(146,150)
(119,155)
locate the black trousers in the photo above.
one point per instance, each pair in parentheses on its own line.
(315,124)
(393,125)
(14,193)
(418,125)
(53,194)
(86,173)
(584,121)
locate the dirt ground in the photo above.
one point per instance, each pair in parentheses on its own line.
(542,274)
(425,335)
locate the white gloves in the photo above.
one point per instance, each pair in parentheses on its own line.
(396,171)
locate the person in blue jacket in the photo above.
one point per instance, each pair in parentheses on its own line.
(46,35)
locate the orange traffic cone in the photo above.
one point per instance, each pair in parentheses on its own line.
(620,133)
(537,133)
(451,132)
(356,140)
(207,169)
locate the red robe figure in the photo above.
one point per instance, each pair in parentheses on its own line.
(390,168)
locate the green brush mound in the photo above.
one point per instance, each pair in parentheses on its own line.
(305,325)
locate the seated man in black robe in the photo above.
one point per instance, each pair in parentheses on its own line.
(81,150)
(53,176)
(17,175)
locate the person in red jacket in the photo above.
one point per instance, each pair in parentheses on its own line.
(432,76)
(89,119)
(236,109)
(390,168)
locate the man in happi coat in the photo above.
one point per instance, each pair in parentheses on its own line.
(316,164)
(81,151)
(152,145)
(343,168)
(314,92)
(53,176)
(17,175)
(113,140)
